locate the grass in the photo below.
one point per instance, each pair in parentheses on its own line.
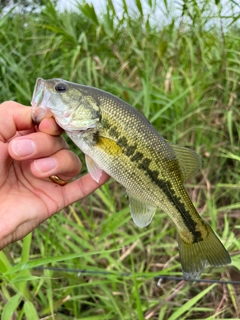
(184,76)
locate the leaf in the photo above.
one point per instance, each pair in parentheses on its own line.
(11,307)
(6,17)
(40,262)
(24,279)
(139,6)
(89,12)
(30,311)
(190,303)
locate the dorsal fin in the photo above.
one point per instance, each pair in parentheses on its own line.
(189,161)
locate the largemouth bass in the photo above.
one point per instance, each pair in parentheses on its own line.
(118,139)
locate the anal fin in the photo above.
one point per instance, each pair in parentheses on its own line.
(142,212)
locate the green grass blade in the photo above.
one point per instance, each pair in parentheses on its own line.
(30,311)
(188,305)
(11,306)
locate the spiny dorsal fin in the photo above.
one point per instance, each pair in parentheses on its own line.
(189,161)
(142,212)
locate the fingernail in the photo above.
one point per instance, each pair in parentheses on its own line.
(45,165)
(23,148)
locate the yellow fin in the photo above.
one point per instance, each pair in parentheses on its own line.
(189,161)
(142,212)
(196,256)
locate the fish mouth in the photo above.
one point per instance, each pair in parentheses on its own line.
(39,102)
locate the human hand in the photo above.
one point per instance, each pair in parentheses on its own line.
(28,156)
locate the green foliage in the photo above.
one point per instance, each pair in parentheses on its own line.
(183,74)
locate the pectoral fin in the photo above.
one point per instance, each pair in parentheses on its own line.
(142,212)
(189,161)
(93,169)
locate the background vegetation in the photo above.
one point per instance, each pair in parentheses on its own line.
(183,73)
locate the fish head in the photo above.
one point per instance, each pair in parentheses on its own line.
(71,106)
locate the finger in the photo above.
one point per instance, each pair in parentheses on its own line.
(14,117)
(64,164)
(5,161)
(49,126)
(35,145)
(82,187)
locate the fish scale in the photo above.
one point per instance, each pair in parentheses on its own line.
(118,139)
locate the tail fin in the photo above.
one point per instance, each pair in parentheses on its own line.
(198,255)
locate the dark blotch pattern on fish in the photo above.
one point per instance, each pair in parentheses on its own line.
(95,137)
(165,185)
(122,141)
(187,219)
(144,165)
(137,156)
(113,132)
(106,125)
(168,189)
(130,150)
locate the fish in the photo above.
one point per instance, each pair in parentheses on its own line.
(118,139)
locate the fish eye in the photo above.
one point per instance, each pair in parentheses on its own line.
(60,87)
